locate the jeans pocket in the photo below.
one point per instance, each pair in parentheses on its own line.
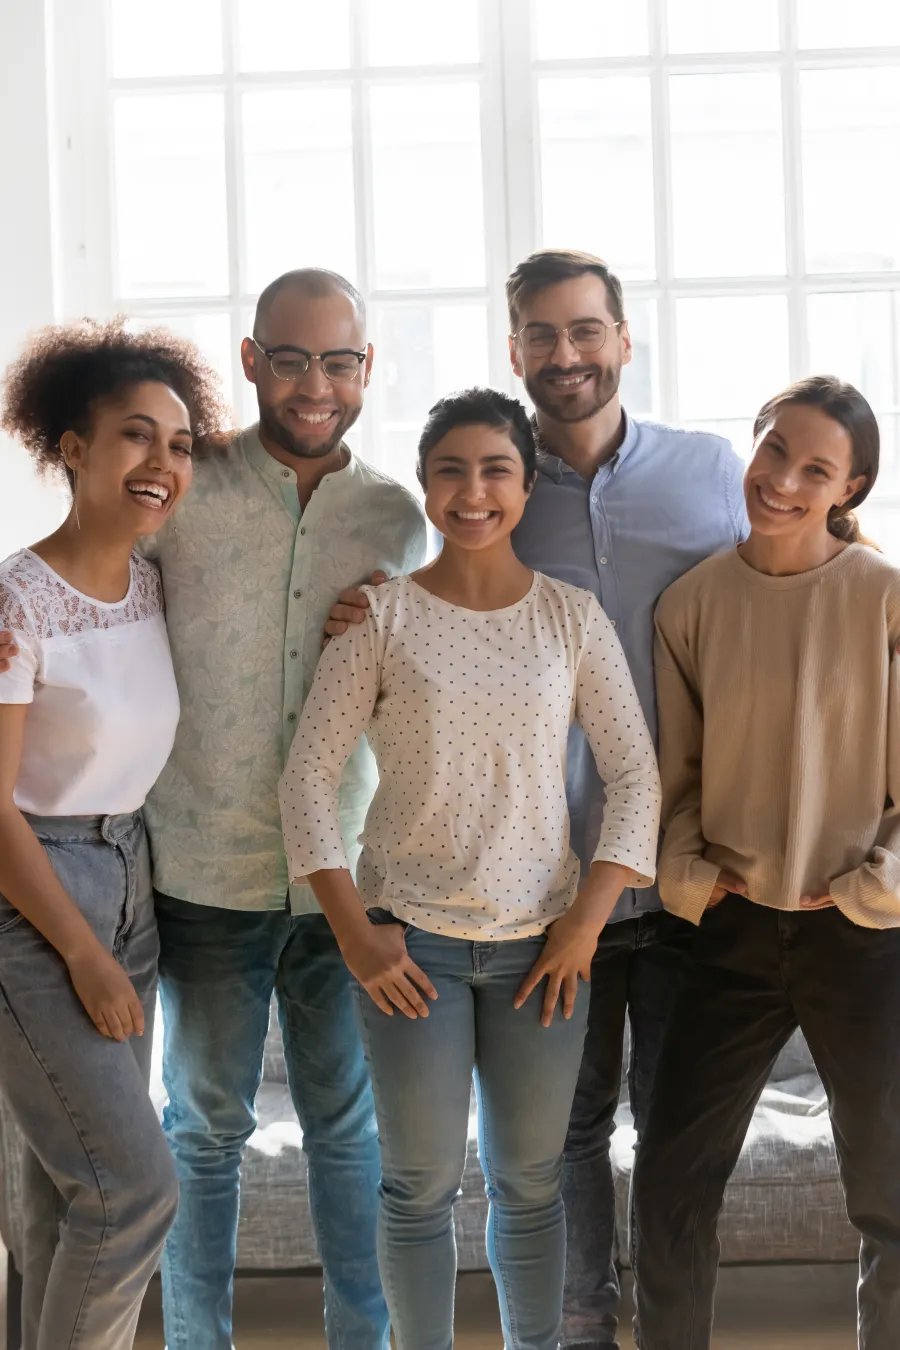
(379,916)
(10,917)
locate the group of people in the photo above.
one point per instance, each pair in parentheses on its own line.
(423,814)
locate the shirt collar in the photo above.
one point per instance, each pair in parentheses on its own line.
(273,471)
(550,463)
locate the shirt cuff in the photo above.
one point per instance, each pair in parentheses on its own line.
(687,891)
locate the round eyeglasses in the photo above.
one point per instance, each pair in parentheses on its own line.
(292,363)
(588,335)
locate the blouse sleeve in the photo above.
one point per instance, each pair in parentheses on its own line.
(608,709)
(686,879)
(870,894)
(17,685)
(335,716)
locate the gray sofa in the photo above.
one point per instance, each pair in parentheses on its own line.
(784,1202)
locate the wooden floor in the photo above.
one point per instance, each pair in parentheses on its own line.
(758,1308)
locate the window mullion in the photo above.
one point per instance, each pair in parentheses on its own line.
(798,345)
(667,344)
(234,185)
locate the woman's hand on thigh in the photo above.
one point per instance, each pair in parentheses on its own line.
(378,958)
(566,958)
(108,996)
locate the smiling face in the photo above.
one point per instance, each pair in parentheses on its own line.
(566,384)
(802,468)
(307,417)
(134,465)
(475,490)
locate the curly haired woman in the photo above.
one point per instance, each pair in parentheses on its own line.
(87,718)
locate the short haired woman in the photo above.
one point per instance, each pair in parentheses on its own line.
(466,677)
(779,698)
(87,718)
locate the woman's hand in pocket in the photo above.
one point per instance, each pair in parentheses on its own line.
(725,885)
(566,959)
(109,997)
(378,958)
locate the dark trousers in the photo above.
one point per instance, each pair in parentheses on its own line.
(756,975)
(636,971)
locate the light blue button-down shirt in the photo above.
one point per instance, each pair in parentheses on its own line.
(668,499)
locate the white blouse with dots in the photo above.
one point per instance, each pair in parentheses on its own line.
(468,714)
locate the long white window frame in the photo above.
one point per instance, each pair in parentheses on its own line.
(508,76)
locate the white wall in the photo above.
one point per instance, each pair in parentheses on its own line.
(27,289)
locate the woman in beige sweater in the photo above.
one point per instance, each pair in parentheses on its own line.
(778,682)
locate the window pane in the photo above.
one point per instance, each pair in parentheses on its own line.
(293,34)
(573,28)
(427,193)
(170,195)
(597,169)
(640,379)
(726,153)
(851,137)
(30,507)
(857,337)
(834,23)
(879,514)
(421,353)
(732,355)
(711,26)
(298,183)
(211,333)
(169,37)
(399,33)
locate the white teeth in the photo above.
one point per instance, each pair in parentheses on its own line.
(315,418)
(566,380)
(775,506)
(473,515)
(157,490)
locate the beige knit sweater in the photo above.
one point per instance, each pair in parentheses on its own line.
(779,712)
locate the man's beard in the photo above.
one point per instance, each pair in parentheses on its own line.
(271,426)
(560,407)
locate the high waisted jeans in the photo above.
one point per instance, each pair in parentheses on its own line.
(525,1079)
(99,1186)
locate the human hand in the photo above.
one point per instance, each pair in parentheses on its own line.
(109,997)
(566,958)
(816,902)
(8,650)
(378,958)
(351,606)
(726,885)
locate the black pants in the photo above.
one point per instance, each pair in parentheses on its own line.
(756,975)
(635,972)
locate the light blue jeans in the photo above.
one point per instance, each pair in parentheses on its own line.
(99,1186)
(525,1078)
(218,971)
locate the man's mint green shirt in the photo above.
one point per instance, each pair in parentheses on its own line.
(249,581)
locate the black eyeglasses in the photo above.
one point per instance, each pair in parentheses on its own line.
(588,335)
(292,363)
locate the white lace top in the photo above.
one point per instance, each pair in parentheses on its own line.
(99,679)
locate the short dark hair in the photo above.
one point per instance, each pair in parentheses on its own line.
(479,407)
(66,370)
(315,282)
(548,267)
(843,403)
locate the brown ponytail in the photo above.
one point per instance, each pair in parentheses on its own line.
(844,404)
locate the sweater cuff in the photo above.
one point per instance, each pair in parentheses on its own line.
(686,892)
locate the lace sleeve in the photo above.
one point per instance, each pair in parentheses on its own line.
(17,685)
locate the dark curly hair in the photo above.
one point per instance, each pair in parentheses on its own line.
(479,407)
(66,370)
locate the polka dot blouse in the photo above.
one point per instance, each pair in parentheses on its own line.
(468,715)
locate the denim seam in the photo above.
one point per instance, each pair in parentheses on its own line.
(489,1177)
(76,1336)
